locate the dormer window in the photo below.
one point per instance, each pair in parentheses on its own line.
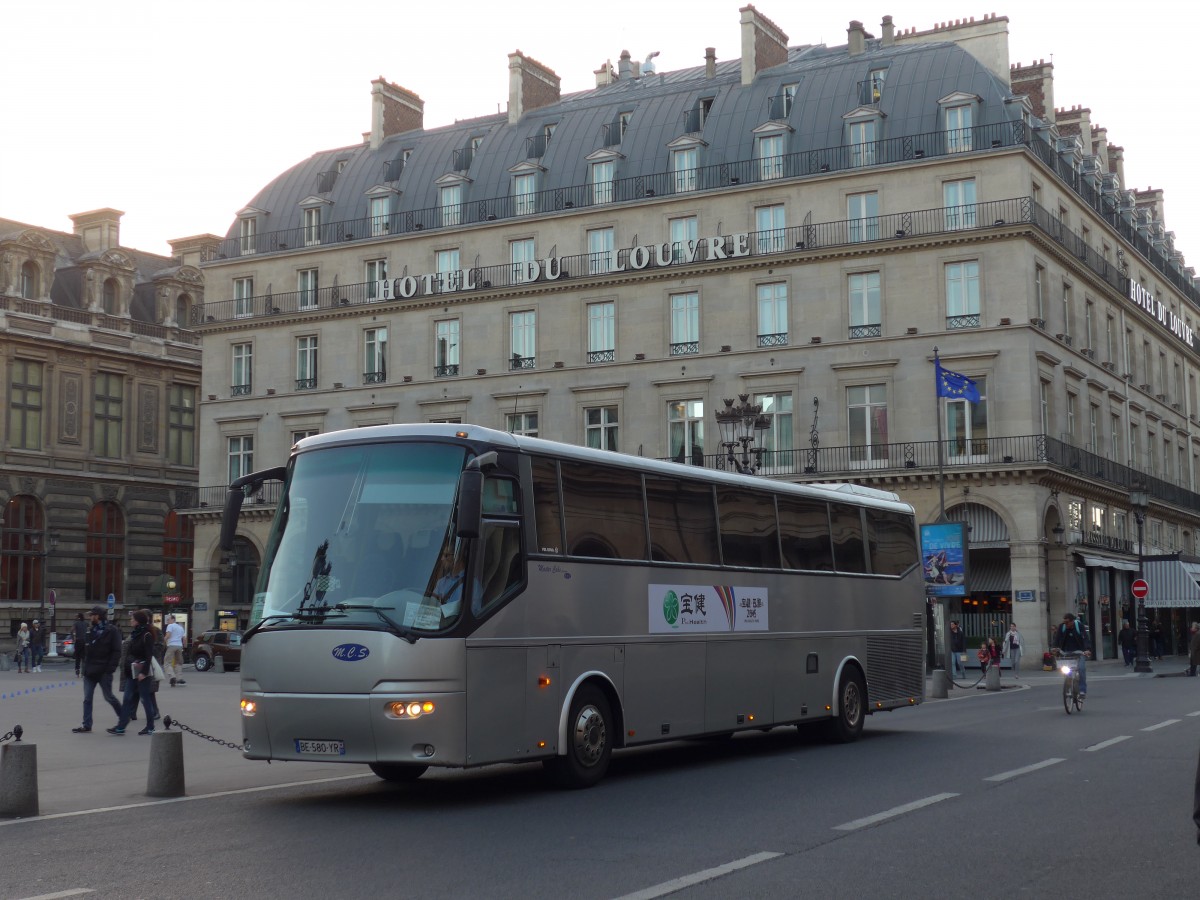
(874,85)
(248,234)
(780,106)
(312,218)
(601,172)
(770,149)
(685,163)
(864,129)
(450,200)
(694,118)
(957,113)
(525,194)
(379,209)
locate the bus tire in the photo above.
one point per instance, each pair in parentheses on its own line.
(847,724)
(589,741)
(399,773)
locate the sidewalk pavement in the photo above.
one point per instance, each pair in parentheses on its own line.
(1032,676)
(90,771)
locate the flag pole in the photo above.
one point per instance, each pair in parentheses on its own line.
(937,414)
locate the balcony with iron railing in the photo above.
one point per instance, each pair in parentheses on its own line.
(866,461)
(778,339)
(723,176)
(100,320)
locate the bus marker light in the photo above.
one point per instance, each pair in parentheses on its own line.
(828,708)
(541,745)
(878,705)
(750,717)
(543,681)
(249,708)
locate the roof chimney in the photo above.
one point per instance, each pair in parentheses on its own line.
(531,86)
(763,44)
(856,35)
(624,67)
(99,229)
(394,110)
(605,74)
(710,62)
(889,31)
(1035,81)
(191,251)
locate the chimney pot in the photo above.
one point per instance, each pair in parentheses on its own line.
(710,62)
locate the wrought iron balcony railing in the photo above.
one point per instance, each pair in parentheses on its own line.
(306,384)
(240,390)
(778,339)
(685,348)
(861,462)
(865,331)
(599,356)
(374,377)
(521,362)
(800,164)
(447,371)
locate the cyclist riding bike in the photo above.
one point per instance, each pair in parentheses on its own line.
(1072,637)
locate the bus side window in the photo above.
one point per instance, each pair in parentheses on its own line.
(501,562)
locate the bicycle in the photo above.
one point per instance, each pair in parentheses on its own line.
(1069,668)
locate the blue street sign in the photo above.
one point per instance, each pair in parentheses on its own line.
(112,600)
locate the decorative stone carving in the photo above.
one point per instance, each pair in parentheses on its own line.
(148,418)
(70,395)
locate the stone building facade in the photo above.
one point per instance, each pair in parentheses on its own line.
(101,374)
(806,225)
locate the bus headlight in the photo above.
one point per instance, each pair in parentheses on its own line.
(410,709)
(249,707)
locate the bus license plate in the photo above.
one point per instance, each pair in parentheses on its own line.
(321,748)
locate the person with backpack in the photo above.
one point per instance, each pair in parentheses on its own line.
(101,657)
(1072,637)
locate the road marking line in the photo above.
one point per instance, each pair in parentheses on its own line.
(1004,776)
(678,884)
(1108,743)
(103,809)
(1162,724)
(75,892)
(891,813)
(1196,713)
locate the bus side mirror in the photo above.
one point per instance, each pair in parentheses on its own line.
(469,514)
(229,518)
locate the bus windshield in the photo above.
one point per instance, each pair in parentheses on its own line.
(365,534)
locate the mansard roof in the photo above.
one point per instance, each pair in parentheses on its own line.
(829,84)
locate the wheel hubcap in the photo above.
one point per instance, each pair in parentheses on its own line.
(589,736)
(851,704)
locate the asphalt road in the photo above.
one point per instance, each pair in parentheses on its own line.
(982,794)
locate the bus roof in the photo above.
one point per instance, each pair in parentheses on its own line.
(843,491)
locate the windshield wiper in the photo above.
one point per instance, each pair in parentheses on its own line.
(261,622)
(395,627)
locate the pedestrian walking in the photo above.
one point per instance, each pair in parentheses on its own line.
(1194,649)
(37,645)
(139,674)
(173,663)
(958,649)
(23,648)
(1127,638)
(1014,647)
(102,653)
(81,630)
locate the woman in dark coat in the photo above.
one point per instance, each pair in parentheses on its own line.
(139,675)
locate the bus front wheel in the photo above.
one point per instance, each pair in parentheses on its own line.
(589,741)
(400,773)
(847,723)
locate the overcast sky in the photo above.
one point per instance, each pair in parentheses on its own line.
(179,114)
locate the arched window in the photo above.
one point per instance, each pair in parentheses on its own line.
(29,280)
(110,296)
(238,579)
(104,557)
(179,539)
(21,563)
(183,309)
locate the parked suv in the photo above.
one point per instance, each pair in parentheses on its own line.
(211,644)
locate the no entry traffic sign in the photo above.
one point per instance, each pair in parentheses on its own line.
(1140,588)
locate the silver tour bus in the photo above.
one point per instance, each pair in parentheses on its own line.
(449,595)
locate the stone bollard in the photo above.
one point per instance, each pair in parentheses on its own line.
(5,662)
(18,781)
(940,686)
(992,679)
(218,663)
(165,778)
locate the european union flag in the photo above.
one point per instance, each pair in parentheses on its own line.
(955,386)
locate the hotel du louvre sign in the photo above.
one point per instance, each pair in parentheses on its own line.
(645,256)
(1146,300)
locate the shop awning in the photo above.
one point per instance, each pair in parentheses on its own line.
(994,575)
(1172,583)
(1108,562)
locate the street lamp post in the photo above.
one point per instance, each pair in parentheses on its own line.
(740,426)
(1139,500)
(52,545)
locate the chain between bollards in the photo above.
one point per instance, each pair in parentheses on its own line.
(168,722)
(15,734)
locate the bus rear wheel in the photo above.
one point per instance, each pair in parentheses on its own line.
(400,773)
(847,724)
(589,741)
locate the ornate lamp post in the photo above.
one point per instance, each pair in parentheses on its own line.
(740,425)
(1139,500)
(51,546)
